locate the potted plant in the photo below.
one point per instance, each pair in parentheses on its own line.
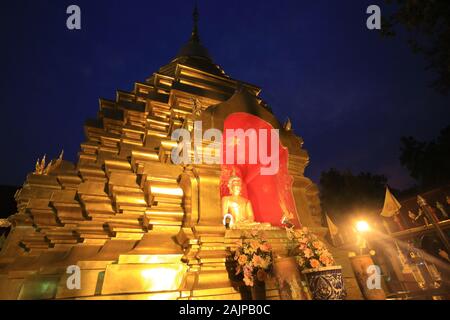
(253,258)
(316,263)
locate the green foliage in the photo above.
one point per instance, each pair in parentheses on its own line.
(344,194)
(427,162)
(428,26)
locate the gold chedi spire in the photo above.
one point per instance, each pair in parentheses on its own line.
(194,48)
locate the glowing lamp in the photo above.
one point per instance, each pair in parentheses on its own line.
(362,226)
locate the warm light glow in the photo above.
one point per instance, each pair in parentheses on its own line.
(167,191)
(362,226)
(158,279)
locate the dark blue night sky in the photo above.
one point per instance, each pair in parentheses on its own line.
(350,93)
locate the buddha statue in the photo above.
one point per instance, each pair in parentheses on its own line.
(237,210)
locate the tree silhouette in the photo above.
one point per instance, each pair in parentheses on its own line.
(428,26)
(343,194)
(427,162)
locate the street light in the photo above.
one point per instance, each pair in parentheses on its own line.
(361,263)
(362,226)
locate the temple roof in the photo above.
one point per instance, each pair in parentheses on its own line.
(241,101)
(243,98)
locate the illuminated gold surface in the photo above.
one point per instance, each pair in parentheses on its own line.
(132,278)
(91,281)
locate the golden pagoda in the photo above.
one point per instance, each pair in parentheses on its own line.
(137,225)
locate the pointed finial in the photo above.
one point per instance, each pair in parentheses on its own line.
(37,166)
(288,125)
(195,16)
(40,165)
(194,48)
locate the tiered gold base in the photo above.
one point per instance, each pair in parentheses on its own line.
(145,271)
